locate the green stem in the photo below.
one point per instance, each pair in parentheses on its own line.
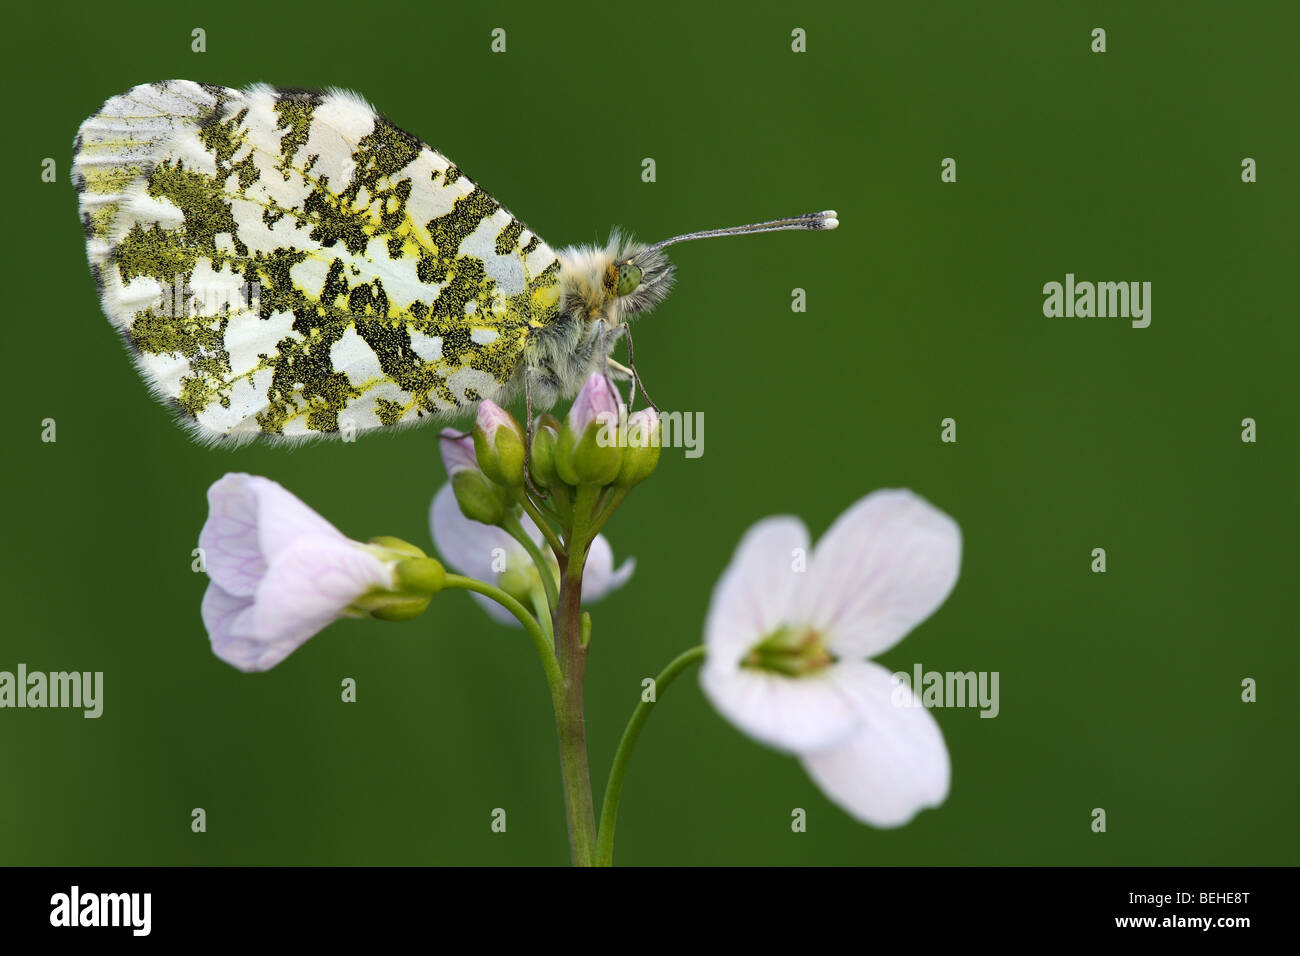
(543,524)
(570,722)
(513,528)
(566,699)
(614,788)
(543,609)
(545,649)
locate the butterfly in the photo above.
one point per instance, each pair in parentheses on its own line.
(290,264)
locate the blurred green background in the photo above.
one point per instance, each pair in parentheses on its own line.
(1119,691)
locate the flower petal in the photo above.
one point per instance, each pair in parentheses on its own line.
(223,613)
(231,553)
(457,449)
(599,577)
(595,399)
(884,566)
(307,587)
(250,518)
(468,545)
(492,416)
(792,714)
(756,593)
(283,518)
(896,764)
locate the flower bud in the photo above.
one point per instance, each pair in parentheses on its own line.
(400,608)
(543,456)
(499,445)
(640,448)
(517,582)
(416,579)
(423,576)
(587,450)
(390,547)
(479,498)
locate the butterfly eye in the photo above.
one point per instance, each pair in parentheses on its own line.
(622,279)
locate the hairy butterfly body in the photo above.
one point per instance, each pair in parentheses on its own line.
(290,264)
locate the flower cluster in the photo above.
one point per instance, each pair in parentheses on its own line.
(518,525)
(488,552)
(280,573)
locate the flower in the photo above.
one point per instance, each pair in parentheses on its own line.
(542,461)
(641,440)
(457,450)
(479,497)
(785,649)
(499,445)
(595,402)
(489,553)
(280,573)
(587,451)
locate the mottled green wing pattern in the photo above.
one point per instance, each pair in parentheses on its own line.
(291,264)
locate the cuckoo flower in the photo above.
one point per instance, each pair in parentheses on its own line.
(640,440)
(786,648)
(280,573)
(584,455)
(480,497)
(498,444)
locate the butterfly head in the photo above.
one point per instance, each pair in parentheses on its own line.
(637,279)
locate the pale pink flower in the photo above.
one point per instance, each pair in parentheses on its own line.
(279,572)
(786,648)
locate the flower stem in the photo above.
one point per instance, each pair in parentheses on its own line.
(570,722)
(539,519)
(566,699)
(513,528)
(614,788)
(543,608)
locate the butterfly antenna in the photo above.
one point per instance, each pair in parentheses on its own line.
(812,220)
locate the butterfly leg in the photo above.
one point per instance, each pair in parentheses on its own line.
(636,379)
(605,366)
(621,371)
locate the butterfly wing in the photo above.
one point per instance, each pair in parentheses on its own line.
(291,264)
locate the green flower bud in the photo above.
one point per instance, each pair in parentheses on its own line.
(518,583)
(640,448)
(562,459)
(415,581)
(499,445)
(401,609)
(423,576)
(543,456)
(587,451)
(478,497)
(596,457)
